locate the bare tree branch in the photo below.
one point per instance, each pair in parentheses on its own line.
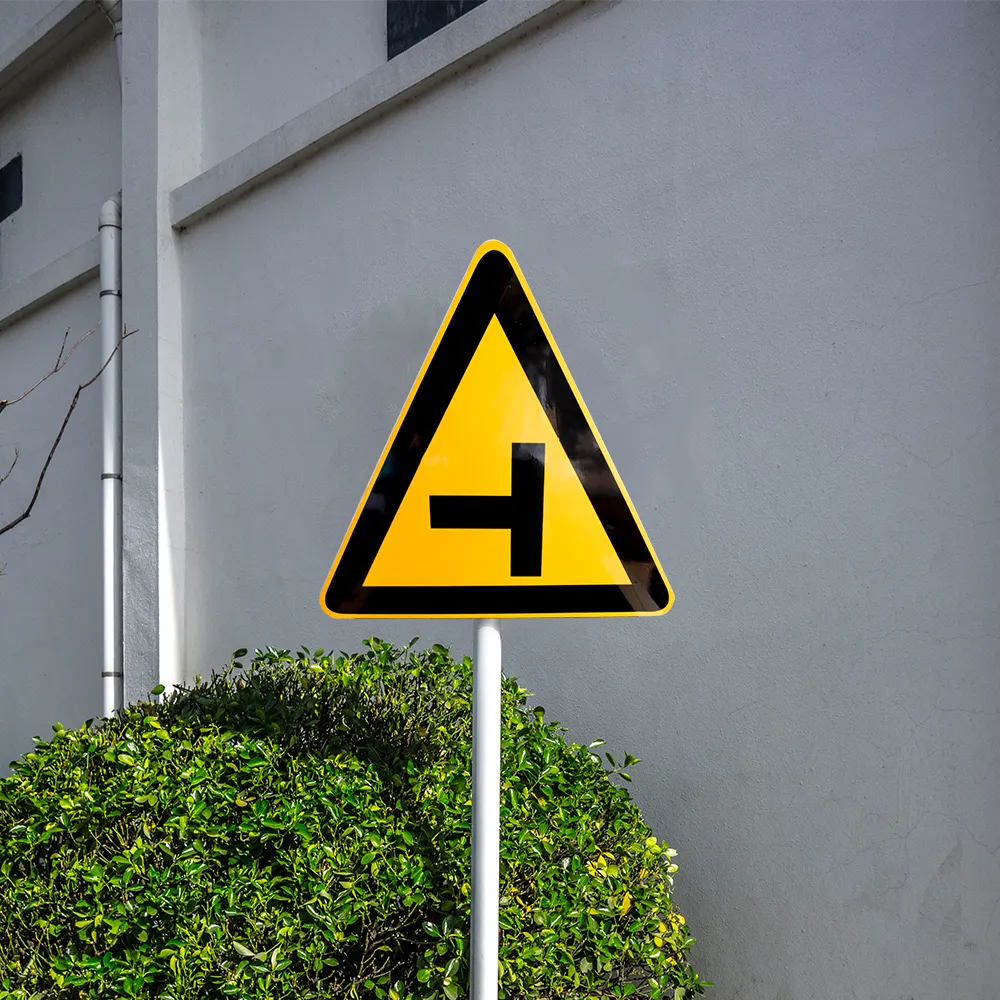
(6,475)
(26,513)
(60,364)
(62,346)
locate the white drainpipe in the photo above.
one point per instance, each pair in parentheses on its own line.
(113,12)
(110,234)
(110,230)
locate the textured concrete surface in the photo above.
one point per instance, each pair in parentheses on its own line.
(67,130)
(311,51)
(50,587)
(764,238)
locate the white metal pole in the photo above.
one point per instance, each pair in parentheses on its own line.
(110,231)
(485,809)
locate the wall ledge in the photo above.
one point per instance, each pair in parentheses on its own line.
(49,282)
(466,41)
(40,49)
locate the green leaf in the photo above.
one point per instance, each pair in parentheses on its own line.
(306,804)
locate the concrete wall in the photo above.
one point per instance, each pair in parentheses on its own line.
(67,128)
(50,588)
(267,62)
(68,131)
(765,239)
(19,17)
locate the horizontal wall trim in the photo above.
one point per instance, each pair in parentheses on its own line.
(461,44)
(49,283)
(41,48)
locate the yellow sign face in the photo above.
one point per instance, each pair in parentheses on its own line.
(495,496)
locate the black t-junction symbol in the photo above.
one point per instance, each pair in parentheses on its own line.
(521,512)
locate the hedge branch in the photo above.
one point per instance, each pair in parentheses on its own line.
(60,363)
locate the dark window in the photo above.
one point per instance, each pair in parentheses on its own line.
(11,188)
(409,21)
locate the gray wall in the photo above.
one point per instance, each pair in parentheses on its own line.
(19,17)
(312,50)
(69,134)
(50,586)
(66,126)
(765,239)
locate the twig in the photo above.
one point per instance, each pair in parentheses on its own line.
(60,364)
(6,475)
(62,346)
(26,513)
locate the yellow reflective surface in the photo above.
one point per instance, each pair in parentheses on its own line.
(470,454)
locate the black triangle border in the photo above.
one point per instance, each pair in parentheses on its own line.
(494,288)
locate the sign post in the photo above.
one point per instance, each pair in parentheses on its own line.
(494,496)
(486,665)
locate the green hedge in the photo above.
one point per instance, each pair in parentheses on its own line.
(300,829)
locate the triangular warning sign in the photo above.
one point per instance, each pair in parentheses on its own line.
(495,496)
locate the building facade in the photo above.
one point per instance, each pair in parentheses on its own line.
(765,238)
